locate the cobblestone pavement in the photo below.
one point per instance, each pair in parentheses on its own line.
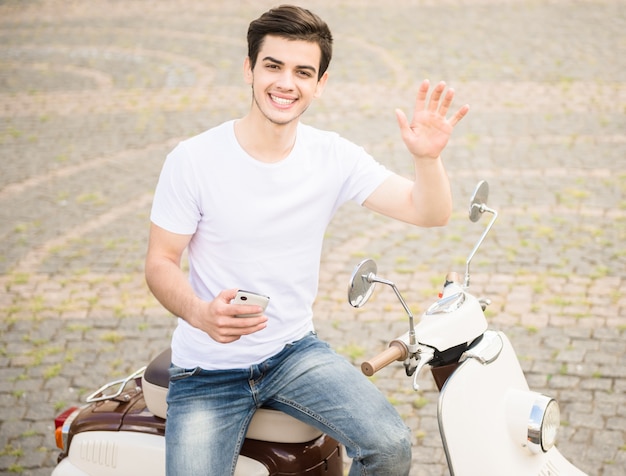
(94,94)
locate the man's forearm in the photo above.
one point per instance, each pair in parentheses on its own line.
(170,286)
(431,192)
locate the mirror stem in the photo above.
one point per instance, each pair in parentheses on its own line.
(483,208)
(372,278)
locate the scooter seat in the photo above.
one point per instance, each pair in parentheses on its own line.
(266,424)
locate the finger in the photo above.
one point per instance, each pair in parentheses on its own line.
(231,327)
(246,325)
(225,339)
(422,93)
(248,321)
(433,104)
(244,309)
(252,329)
(447,101)
(460,114)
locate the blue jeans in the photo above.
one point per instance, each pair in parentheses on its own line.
(209,411)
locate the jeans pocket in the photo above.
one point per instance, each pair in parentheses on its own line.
(179,373)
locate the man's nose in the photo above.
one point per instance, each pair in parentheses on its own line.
(286,80)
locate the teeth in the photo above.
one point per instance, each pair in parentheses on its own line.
(282,101)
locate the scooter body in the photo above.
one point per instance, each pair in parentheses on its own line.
(490,422)
(484,411)
(123,433)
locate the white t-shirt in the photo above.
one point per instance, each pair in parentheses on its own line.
(258,227)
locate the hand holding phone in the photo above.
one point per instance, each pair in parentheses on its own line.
(252,299)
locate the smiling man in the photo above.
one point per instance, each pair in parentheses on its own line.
(250,201)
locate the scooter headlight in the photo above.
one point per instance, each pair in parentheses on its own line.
(543,424)
(533,419)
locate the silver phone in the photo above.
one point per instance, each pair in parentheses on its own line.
(251,298)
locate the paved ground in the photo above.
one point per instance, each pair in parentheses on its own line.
(94,94)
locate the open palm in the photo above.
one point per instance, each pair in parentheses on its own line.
(429,131)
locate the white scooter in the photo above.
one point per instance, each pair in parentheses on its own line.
(490,422)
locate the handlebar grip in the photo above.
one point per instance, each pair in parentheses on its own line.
(396,351)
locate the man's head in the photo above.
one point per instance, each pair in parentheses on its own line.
(292,23)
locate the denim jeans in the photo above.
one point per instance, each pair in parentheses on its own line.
(209,411)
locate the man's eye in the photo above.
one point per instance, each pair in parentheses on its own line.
(306,74)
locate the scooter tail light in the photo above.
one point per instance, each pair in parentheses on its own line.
(62,424)
(58,438)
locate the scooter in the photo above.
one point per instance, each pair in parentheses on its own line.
(490,422)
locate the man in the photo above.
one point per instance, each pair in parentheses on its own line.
(250,201)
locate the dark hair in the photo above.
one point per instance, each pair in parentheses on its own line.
(293,23)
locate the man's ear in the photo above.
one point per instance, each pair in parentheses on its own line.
(247,70)
(321,84)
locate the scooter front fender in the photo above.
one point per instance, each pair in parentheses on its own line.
(476,424)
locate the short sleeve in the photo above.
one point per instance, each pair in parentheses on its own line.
(175,207)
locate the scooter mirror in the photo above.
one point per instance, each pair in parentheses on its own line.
(362,283)
(478,201)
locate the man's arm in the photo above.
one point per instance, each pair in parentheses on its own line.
(170,286)
(427,200)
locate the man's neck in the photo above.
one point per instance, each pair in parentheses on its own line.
(264,140)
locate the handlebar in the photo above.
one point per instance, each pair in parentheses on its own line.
(397,350)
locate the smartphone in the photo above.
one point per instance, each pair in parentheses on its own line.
(250,298)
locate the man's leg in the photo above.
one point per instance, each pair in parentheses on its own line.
(207,417)
(312,383)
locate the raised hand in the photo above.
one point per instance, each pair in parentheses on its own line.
(429,131)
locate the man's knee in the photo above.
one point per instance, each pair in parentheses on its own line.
(397,450)
(403,444)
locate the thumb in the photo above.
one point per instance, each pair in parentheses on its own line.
(403,122)
(405,127)
(228,295)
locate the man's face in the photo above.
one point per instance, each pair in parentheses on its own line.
(284,80)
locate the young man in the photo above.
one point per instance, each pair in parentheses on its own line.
(250,201)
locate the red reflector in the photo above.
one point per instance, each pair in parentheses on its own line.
(59,420)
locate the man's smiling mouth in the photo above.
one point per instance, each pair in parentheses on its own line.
(282,101)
